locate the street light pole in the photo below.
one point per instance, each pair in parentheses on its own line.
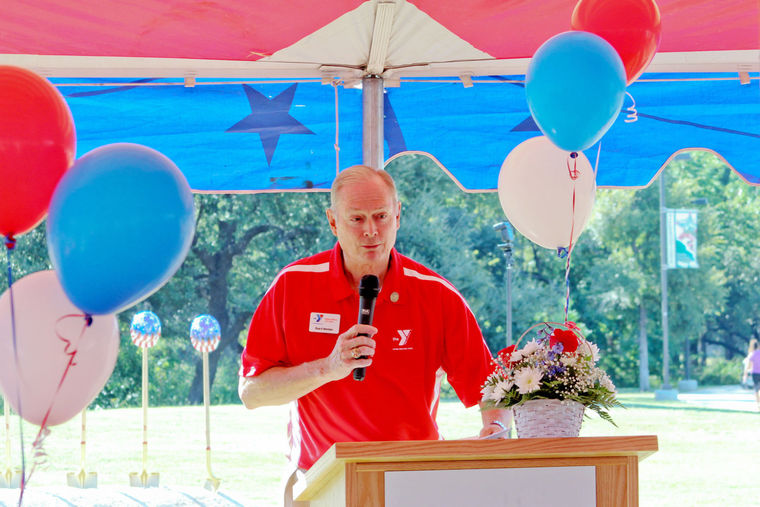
(507,237)
(664,281)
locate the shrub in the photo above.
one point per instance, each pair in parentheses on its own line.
(719,371)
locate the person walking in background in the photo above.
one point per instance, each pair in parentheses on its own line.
(753,368)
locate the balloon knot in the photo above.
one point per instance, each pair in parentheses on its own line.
(573,171)
(88,319)
(10,242)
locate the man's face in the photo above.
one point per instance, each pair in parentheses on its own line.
(365,220)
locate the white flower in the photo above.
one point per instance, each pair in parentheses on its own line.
(568,360)
(501,389)
(607,384)
(528,380)
(516,356)
(594,351)
(488,391)
(529,348)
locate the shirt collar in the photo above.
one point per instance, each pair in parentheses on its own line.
(338,281)
(340,286)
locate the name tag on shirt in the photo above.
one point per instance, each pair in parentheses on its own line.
(324,322)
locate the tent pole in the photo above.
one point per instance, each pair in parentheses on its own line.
(372,122)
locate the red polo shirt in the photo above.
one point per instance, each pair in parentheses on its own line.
(424,325)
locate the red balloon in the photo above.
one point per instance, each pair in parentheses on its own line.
(631,26)
(37,146)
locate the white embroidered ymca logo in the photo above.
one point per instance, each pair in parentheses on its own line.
(402,339)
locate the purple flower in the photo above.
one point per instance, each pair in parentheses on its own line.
(555,352)
(555,370)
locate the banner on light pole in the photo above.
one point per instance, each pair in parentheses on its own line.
(681,225)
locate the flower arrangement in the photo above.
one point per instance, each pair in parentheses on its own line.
(558,364)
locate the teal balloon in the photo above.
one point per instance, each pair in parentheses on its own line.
(120,224)
(575,86)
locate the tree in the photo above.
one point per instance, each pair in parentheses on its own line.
(241,242)
(729,252)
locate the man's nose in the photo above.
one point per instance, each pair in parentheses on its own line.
(371,228)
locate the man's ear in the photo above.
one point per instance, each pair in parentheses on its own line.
(331,220)
(398,216)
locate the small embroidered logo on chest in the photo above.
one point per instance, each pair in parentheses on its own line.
(402,339)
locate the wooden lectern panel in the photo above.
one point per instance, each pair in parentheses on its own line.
(353,473)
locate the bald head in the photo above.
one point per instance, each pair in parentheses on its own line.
(360,174)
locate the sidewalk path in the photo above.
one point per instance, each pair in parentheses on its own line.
(722,398)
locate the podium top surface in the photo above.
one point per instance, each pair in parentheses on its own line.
(414,450)
(439,450)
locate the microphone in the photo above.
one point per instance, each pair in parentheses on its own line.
(369,287)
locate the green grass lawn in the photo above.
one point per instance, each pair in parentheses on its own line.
(706,457)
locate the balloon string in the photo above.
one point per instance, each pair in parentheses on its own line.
(596,164)
(632,115)
(574,173)
(40,455)
(10,244)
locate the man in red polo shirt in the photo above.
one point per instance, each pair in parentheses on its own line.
(303,342)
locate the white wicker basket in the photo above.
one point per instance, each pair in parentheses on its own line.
(548,418)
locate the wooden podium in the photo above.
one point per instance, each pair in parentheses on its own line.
(601,471)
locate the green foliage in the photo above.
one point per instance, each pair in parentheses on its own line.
(720,371)
(623,368)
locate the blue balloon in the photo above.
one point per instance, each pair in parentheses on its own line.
(575,86)
(120,224)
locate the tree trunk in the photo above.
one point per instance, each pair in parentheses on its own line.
(643,350)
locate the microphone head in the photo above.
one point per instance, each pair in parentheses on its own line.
(369,286)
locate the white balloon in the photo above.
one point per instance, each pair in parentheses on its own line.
(536,192)
(34,378)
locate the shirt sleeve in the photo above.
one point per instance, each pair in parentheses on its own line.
(466,358)
(265,346)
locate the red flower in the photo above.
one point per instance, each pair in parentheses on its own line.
(567,338)
(505,355)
